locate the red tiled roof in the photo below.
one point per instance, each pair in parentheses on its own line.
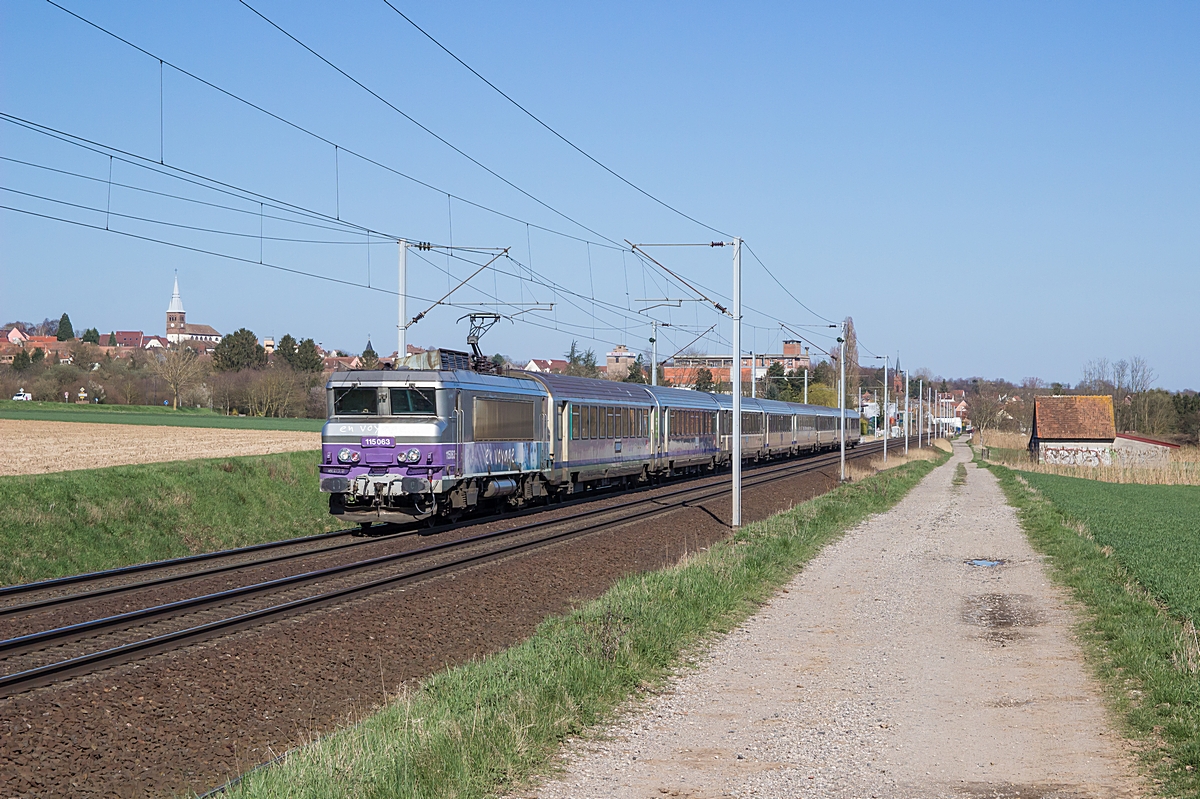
(1074,418)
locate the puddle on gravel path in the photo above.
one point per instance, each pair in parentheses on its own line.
(1000,614)
(985,562)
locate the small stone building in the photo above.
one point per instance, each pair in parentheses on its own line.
(1080,431)
(1073,431)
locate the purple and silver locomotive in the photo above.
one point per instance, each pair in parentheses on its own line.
(415,444)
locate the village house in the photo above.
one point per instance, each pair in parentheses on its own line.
(547,365)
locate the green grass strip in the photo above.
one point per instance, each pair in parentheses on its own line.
(478,729)
(53,525)
(1136,646)
(148,414)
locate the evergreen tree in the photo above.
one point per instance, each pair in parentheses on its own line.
(91,336)
(773,387)
(285,350)
(637,372)
(582,364)
(21,361)
(704,380)
(112,339)
(37,356)
(65,331)
(499,360)
(239,350)
(307,359)
(369,359)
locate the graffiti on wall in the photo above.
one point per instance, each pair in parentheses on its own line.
(1059,455)
(1143,456)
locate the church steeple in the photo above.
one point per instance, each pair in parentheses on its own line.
(176,305)
(176,316)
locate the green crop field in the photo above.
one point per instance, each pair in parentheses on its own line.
(71,522)
(1130,554)
(1154,531)
(147,414)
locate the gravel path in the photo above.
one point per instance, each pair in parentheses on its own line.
(30,447)
(888,668)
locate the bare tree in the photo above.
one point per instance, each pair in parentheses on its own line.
(275,392)
(986,410)
(179,368)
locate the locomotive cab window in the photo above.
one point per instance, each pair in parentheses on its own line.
(355,402)
(413,402)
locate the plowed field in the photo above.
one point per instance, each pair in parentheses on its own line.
(29,447)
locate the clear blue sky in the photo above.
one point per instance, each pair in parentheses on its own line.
(1000,190)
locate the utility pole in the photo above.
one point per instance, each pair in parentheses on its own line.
(907,413)
(735,376)
(920,410)
(887,423)
(806,385)
(402,331)
(653,352)
(842,395)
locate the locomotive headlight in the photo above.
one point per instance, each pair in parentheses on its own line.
(413,455)
(347,455)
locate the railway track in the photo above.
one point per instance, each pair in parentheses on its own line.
(63,591)
(50,655)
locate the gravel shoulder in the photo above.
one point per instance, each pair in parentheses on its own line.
(889,667)
(32,447)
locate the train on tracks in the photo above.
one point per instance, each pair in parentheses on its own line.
(433,443)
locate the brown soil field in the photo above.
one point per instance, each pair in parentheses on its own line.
(29,447)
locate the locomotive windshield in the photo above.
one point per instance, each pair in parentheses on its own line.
(413,401)
(356,402)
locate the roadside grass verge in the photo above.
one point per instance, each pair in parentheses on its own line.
(147,414)
(1131,556)
(489,725)
(53,525)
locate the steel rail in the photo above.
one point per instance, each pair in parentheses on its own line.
(41,585)
(66,599)
(37,640)
(20,681)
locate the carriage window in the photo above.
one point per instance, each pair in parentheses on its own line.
(574,423)
(605,413)
(506,420)
(413,402)
(593,422)
(355,402)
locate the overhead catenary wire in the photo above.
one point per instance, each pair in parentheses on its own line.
(563,138)
(609,243)
(212,184)
(423,127)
